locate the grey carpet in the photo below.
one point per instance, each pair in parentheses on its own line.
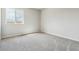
(38,42)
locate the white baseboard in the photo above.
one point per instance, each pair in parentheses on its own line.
(62,36)
(15,34)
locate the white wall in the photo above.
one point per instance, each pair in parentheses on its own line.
(61,22)
(31,23)
(0,23)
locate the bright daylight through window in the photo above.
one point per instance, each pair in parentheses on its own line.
(14,15)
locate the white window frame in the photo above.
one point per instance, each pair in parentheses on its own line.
(14,16)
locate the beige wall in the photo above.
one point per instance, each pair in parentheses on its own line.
(61,22)
(31,23)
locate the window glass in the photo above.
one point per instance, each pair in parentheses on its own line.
(10,15)
(14,15)
(19,16)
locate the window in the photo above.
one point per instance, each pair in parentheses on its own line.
(10,15)
(19,16)
(15,15)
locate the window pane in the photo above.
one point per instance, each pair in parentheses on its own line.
(19,16)
(10,15)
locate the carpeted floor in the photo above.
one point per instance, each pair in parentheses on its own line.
(38,42)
